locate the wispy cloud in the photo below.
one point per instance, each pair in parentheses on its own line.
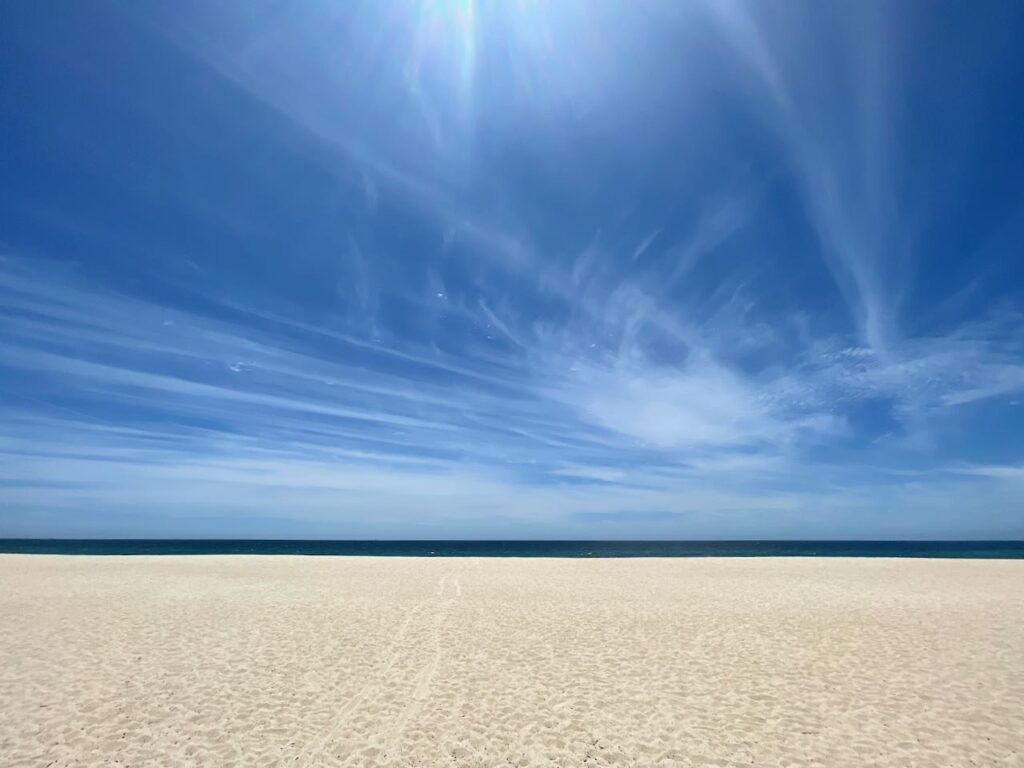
(457,284)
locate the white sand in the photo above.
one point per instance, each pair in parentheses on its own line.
(293,661)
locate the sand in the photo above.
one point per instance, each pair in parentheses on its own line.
(304,661)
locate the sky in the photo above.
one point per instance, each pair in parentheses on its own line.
(459,269)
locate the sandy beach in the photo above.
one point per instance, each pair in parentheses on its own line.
(303,661)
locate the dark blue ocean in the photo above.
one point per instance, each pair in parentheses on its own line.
(989,550)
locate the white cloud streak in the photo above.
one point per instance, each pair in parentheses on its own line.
(525,385)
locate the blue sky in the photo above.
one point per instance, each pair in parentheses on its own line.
(442,268)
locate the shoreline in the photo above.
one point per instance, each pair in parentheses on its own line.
(949,549)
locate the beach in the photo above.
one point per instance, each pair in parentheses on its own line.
(393,661)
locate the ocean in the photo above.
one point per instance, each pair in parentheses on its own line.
(988,550)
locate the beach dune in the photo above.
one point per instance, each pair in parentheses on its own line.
(338,661)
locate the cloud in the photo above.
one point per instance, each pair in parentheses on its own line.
(841,166)
(698,405)
(539,326)
(1012,473)
(627,518)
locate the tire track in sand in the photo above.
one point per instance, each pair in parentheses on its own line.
(436,605)
(425,678)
